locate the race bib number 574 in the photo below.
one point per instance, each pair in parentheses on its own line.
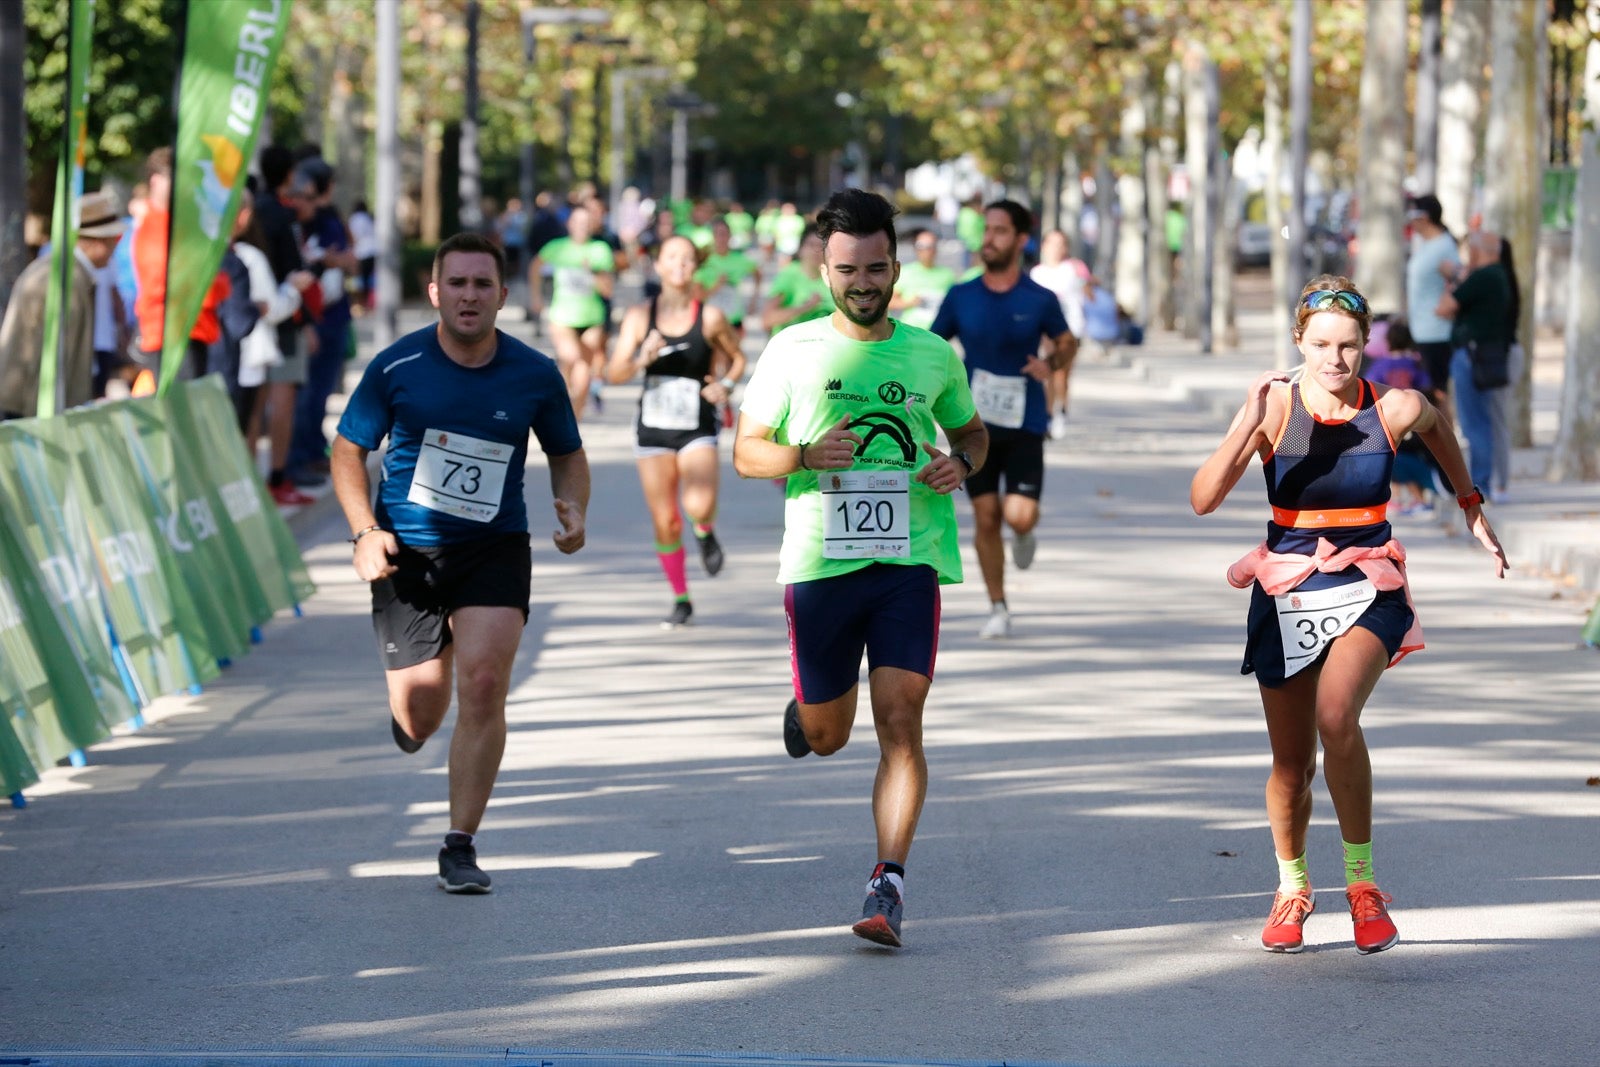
(460,475)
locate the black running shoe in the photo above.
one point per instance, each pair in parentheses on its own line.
(880,915)
(794,738)
(711,554)
(679,616)
(458,866)
(407,743)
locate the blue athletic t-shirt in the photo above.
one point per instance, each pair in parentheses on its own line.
(998,332)
(458,436)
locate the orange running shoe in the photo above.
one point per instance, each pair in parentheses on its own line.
(1283,932)
(1374,929)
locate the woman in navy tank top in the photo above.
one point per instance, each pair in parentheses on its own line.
(1330,608)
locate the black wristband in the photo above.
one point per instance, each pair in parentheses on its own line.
(803,445)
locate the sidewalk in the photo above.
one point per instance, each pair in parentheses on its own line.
(1550,529)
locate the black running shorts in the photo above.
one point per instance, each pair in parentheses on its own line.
(890,611)
(411,609)
(1017,455)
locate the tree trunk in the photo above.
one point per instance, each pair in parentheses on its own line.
(1158,259)
(1299,159)
(1272,158)
(1466,42)
(1513,190)
(1201,105)
(1224,327)
(1380,261)
(1425,138)
(1132,287)
(386,188)
(1171,119)
(1072,200)
(431,210)
(1105,212)
(1576,454)
(469,181)
(1050,213)
(13,133)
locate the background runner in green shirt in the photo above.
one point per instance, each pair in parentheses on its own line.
(922,283)
(721,276)
(582,267)
(798,292)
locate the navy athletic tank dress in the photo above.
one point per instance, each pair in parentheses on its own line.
(1326,479)
(672,413)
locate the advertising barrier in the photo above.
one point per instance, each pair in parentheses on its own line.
(138,548)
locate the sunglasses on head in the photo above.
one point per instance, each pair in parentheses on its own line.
(1323,299)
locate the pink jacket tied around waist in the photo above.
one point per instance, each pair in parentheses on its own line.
(1279,572)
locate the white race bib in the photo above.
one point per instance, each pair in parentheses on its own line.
(460,475)
(1001,399)
(1309,620)
(575,281)
(670,403)
(865,514)
(728,300)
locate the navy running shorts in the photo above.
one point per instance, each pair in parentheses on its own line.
(1389,618)
(890,611)
(411,609)
(1016,454)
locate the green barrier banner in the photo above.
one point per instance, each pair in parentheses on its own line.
(230,48)
(152,611)
(214,606)
(45,511)
(69,186)
(261,540)
(24,741)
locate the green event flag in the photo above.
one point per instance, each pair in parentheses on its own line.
(69,180)
(152,612)
(211,599)
(259,539)
(230,49)
(46,519)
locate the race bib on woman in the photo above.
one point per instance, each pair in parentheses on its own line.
(670,403)
(1308,621)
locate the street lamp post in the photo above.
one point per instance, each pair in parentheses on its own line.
(620,78)
(683,104)
(545,16)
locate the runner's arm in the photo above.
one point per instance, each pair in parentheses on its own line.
(971,438)
(535,289)
(1246,438)
(374,547)
(622,365)
(605,283)
(1063,350)
(728,361)
(569,489)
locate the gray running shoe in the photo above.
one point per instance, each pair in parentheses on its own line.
(1023,546)
(794,738)
(458,866)
(679,616)
(880,915)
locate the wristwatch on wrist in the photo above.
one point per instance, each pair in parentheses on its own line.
(963,457)
(1470,500)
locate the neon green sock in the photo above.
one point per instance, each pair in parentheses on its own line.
(1358,862)
(1292,875)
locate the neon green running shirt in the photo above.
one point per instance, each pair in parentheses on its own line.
(732,269)
(897,393)
(575,302)
(928,286)
(796,289)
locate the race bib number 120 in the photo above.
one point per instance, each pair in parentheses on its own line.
(460,475)
(865,514)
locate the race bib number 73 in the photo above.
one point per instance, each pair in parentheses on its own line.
(460,475)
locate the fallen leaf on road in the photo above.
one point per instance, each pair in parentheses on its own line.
(1230,854)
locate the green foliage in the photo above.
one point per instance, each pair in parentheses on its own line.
(130,87)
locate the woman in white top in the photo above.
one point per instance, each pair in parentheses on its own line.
(1064,276)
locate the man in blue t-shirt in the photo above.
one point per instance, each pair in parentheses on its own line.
(446,548)
(1004,320)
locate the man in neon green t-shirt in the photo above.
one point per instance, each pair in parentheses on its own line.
(798,292)
(846,409)
(721,277)
(923,282)
(741,226)
(583,279)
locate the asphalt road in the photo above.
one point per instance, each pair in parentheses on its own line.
(254,870)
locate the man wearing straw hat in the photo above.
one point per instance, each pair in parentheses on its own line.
(22,332)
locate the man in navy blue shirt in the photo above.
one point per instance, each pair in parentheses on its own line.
(1004,321)
(446,548)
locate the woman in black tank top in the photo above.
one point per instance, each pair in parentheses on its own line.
(691,361)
